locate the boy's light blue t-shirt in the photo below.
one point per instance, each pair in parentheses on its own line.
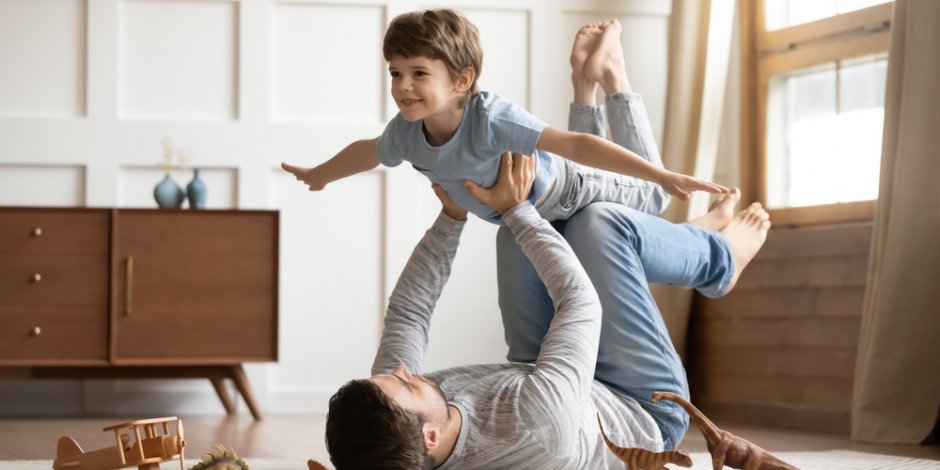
(490,126)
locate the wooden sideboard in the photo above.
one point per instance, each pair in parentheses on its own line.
(138,293)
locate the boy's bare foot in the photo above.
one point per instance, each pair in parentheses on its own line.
(606,63)
(745,234)
(584,44)
(720,213)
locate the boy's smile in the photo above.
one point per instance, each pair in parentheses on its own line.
(424,90)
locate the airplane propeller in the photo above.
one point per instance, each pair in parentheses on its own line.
(179,432)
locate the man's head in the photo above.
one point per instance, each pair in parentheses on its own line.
(389,421)
(443,35)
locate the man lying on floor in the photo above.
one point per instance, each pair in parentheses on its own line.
(574,351)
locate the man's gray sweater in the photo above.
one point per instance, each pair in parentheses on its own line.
(519,416)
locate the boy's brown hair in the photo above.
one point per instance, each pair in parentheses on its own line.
(444,35)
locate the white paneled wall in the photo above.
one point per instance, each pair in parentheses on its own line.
(177,60)
(43,58)
(324,71)
(44,185)
(90,88)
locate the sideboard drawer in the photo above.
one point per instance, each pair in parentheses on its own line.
(54,231)
(66,334)
(47,278)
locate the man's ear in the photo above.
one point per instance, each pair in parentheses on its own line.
(465,80)
(432,437)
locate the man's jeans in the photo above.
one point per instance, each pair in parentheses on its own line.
(622,250)
(576,185)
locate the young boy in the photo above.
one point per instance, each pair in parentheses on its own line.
(455,134)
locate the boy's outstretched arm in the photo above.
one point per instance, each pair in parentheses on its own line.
(590,150)
(357,157)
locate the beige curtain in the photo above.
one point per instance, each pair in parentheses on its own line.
(699,50)
(897,374)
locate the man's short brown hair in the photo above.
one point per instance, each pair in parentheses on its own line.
(366,430)
(444,35)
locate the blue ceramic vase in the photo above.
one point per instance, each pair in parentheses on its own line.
(168,194)
(196,191)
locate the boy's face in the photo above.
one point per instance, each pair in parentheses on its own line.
(422,87)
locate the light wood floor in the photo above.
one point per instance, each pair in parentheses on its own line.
(301,437)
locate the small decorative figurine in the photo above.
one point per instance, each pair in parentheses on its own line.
(644,459)
(220,458)
(726,448)
(131,448)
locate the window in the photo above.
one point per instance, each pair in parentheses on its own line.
(813,106)
(783,13)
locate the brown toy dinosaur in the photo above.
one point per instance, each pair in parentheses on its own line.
(644,459)
(726,448)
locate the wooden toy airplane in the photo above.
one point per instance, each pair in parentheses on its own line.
(313,464)
(146,452)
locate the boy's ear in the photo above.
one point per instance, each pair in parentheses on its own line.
(465,80)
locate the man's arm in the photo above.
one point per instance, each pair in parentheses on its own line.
(408,318)
(552,397)
(590,150)
(357,157)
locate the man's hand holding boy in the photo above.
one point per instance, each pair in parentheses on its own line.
(516,175)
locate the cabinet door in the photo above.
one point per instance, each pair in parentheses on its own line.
(195,286)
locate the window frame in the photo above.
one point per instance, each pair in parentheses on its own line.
(767,53)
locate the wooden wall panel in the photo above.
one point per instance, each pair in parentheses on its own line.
(781,347)
(777,362)
(786,303)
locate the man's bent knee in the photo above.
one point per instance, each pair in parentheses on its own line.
(590,226)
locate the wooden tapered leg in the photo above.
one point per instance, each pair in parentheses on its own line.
(244,388)
(224,396)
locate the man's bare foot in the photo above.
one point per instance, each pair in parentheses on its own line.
(606,63)
(584,44)
(720,213)
(745,234)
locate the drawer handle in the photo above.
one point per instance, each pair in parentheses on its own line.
(36,331)
(36,278)
(129,286)
(37,232)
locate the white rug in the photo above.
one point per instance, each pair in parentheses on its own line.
(828,460)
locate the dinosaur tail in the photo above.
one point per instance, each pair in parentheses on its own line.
(636,457)
(708,428)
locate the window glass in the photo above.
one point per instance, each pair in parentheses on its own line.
(783,13)
(824,130)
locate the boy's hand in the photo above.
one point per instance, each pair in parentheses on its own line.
(680,185)
(451,209)
(309,176)
(513,185)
